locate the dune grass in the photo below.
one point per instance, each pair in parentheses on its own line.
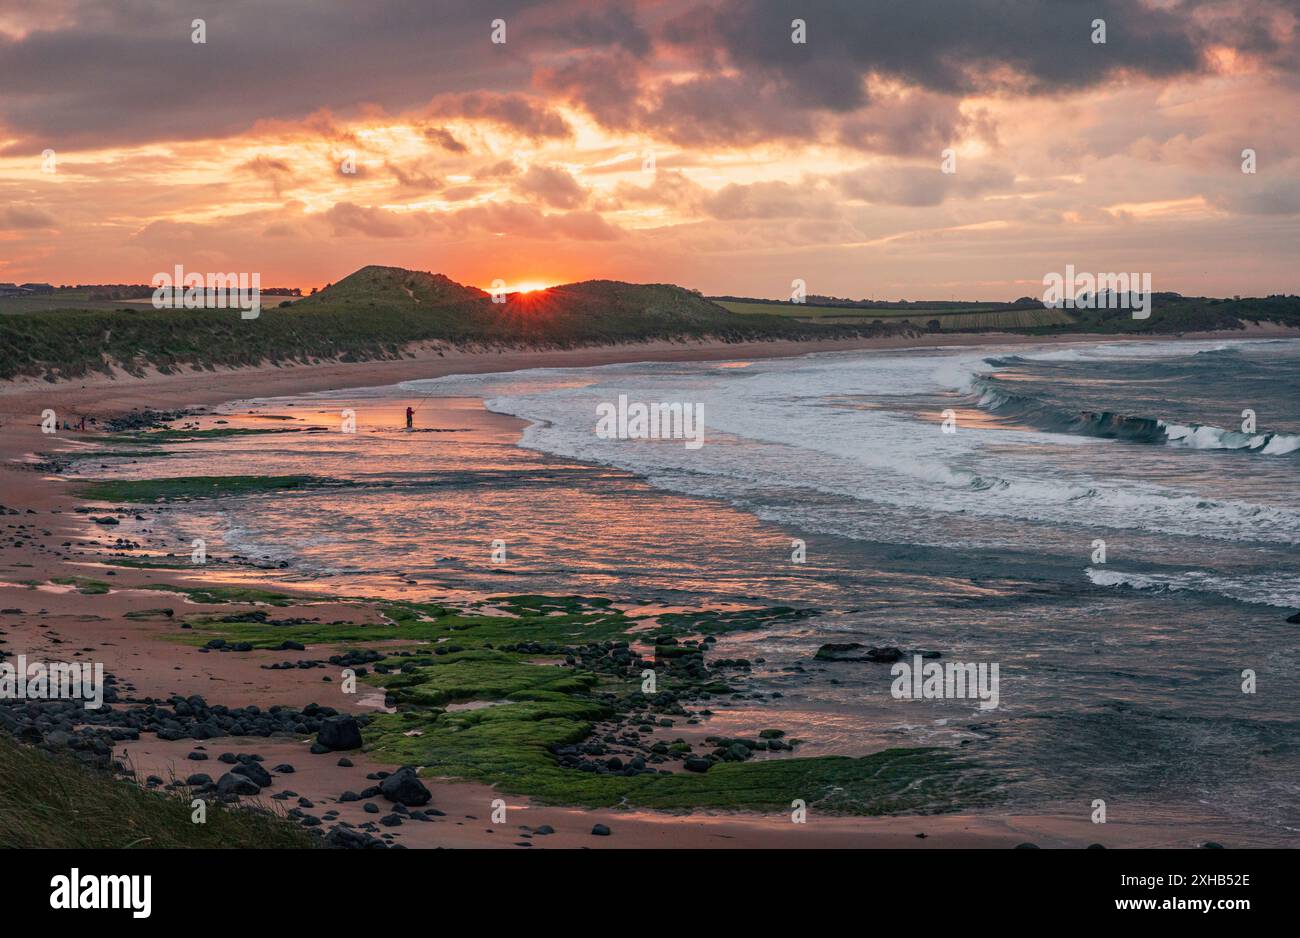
(50,801)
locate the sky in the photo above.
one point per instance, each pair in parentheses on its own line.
(922,149)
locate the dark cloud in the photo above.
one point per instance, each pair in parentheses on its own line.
(614,25)
(517,112)
(606,85)
(90,73)
(955,48)
(443,138)
(126,71)
(911,124)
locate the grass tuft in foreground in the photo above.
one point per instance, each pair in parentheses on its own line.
(56,802)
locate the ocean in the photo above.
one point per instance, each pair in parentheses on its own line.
(1102,521)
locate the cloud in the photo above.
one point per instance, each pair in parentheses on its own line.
(413,178)
(276,172)
(525,221)
(769,200)
(346,218)
(443,138)
(515,112)
(912,123)
(119,73)
(605,85)
(24,217)
(553,186)
(613,25)
(919,186)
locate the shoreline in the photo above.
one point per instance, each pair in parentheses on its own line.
(120,392)
(80,620)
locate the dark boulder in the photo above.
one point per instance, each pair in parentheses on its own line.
(252,770)
(851,651)
(232,784)
(339,732)
(404,787)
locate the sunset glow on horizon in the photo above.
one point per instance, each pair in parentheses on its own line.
(666,142)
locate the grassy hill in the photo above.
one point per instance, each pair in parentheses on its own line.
(374,313)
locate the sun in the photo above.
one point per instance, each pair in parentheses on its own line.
(528,286)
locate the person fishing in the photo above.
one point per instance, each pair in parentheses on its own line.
(410,417)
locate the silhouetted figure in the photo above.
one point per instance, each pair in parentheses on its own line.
(410,417)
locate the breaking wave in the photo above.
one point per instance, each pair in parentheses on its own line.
(1126,427)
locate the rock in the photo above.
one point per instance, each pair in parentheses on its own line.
(404,787)
(697,764)
(344,839)
(284,768)
(232,784)
(198,780)
(345,762)
(1211,845)
(1295,619)
(254,771)
(1027,846)
(847,651)
(600,830)
(339,733)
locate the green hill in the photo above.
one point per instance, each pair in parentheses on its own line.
(396,287)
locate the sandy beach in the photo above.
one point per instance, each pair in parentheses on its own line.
(46,539)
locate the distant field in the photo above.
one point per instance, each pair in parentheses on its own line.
(975,316)
(80,299)
(63,299)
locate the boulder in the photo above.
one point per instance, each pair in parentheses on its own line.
(232,784)
(339,733)
(852,651)
(404,787)
(252,770)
